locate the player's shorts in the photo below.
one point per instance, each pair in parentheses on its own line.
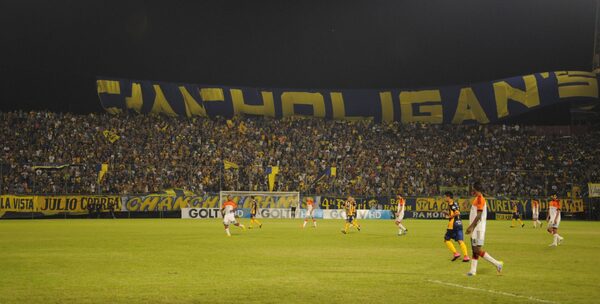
(477,238)
(516,216)
(252,215)
(535,215)
(309,212)
(229,219)
(400,217)
(350,218)
(454,234)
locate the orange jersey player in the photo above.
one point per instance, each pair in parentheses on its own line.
(477,225)
(228,210)
(400,214)
(310,208)
(553,219)
(535,213)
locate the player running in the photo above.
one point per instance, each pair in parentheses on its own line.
(477,219)
(228,210)
(350,208)
(535,213)
(400,215)
(309,212)
(553,219)
(516,216)
(253,211)
(454,230)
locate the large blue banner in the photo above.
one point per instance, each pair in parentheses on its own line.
(484,102)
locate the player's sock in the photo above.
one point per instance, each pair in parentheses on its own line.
(314,223)
(242,226)
(227,231)
(304,225)
(451,247)
(473,270)
(401,227)
(489,258)
(463,249)
(555,238)
(258,223)
(346,225)
(521,222)
(512,225)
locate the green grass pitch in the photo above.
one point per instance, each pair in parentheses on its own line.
(192,261)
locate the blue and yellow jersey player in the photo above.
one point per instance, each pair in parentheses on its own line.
(454,230)
(253,211)
(516,215)
(350,208)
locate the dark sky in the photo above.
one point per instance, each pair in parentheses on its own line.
(52,51)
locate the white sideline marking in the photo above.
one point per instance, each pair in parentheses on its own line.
(493,291)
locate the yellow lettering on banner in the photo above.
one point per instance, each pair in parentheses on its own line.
(212,94)
(166,203)
(135,101)
(149,203)
(408,99)
(577,84)
(17,203)
(387,107)
(337,103)
(239,106)
(161,105)
(289,99)
(108,86)
(469,108)
(192,107)
(503,216)
(339,108)
(181,202)
(504,91)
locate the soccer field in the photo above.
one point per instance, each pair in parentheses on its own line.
(192,261)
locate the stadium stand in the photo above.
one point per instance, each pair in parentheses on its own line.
(46,152)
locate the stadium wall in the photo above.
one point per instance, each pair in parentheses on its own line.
(160,205)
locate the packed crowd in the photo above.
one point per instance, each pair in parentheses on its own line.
(147,154)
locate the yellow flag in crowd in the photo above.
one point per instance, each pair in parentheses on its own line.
(102,169)
(230,165)
(111,136)
(242,128)
(272,173)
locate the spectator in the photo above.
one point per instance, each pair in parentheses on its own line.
(153,153)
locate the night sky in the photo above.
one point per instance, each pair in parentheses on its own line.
(52,51)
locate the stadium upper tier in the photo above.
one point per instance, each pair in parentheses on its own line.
(61,153)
